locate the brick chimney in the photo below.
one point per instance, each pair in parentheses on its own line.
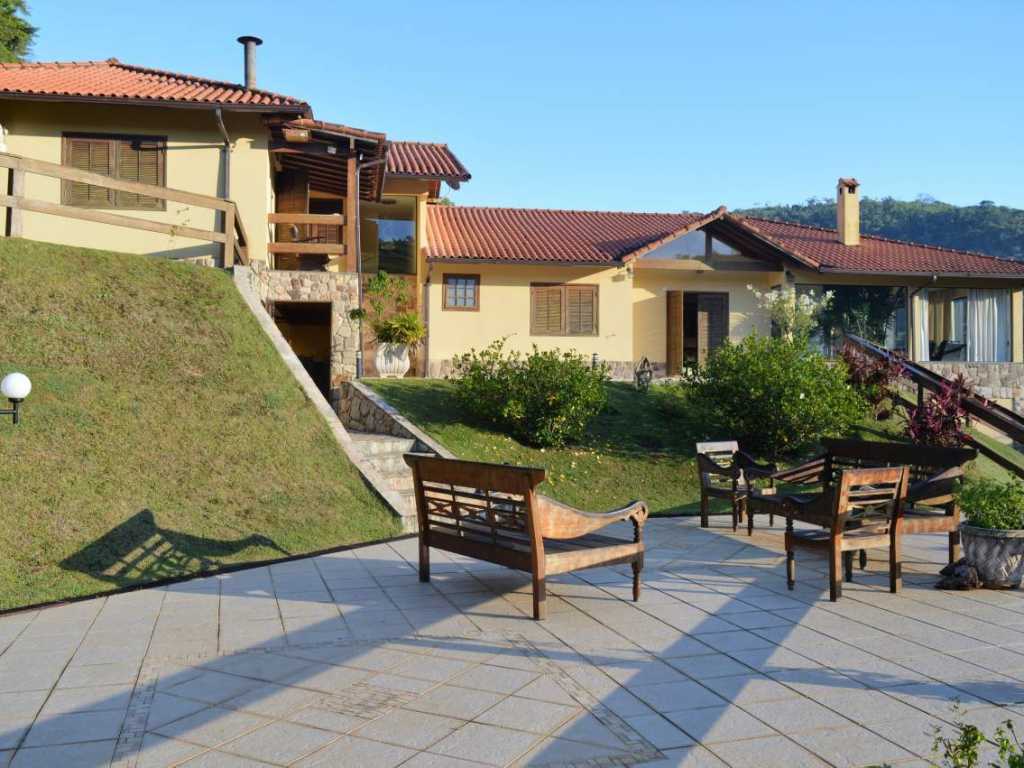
(249,43)
(848,212)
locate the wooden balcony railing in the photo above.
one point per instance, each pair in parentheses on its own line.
(978,408)
(231,233)
(312,234)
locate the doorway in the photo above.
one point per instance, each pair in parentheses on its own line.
(306,325)
(697,324)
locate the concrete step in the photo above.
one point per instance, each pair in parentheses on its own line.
(371,444)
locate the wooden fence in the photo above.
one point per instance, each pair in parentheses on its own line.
(230,233)
(978,408)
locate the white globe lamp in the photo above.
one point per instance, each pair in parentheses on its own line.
(15,387)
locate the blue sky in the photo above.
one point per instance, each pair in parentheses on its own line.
(637,105)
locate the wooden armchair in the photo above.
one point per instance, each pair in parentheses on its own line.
(492,512)
(726,472)
(862,510)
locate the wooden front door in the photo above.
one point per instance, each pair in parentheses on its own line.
(712,323)
(673,332)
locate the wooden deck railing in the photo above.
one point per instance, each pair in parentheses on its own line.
(313,234)
(230,234)
(978,408)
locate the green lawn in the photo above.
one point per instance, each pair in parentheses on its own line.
(636,449)
(163,435)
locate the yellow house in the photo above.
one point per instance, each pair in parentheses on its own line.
(111,155)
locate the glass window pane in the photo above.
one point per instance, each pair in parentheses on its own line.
(389,234)
(877,313)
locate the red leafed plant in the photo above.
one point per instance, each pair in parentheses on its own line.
(941,419)
(876,379)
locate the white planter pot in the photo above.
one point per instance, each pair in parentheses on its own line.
(998,555)
(392,360)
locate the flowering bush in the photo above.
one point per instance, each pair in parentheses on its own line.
(941,419)
(775,395)
(876,379)
(793,315)
(544,398)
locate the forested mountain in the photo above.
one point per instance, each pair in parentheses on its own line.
(985,227)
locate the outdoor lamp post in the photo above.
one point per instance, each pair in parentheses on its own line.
(15,387)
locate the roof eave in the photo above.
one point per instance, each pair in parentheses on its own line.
(291,109)
(524,262)
(826,270)
(655,244)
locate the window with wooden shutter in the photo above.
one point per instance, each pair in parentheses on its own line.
(563,310)
(130,158)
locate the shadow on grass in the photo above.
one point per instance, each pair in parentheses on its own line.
(139,550)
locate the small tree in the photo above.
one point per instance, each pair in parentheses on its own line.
(390,316)
(794,315)
(16,34)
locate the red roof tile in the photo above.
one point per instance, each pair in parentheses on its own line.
(114,81)
(424,160)
(523,235)
(820,249)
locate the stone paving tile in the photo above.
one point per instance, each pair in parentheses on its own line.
(75,727)
(688,757)
(852,747)
(349,750)
(279,743)
(795,715)
(158,751)
(215,759)
(84,755)
(769,752)
(668,697)
(406,728)
(495,679)
(659,731)
(461,703)
(212,726)
(487,744)
(555,752)
(712,725)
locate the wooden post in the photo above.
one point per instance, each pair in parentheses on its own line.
(352,214)
(16,189)
(228,217)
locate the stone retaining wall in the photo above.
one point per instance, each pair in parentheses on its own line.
(340,289)
(1002,382)
(363,410)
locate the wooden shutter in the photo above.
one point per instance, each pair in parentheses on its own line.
(141,161)
(581,310)
(712,323)
(673,332)
(545,310)
(92,155)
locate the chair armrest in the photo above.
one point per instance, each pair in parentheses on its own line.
(936,490)
(751,468)
(705,465)
(812,471)
(561,521)
(809,508)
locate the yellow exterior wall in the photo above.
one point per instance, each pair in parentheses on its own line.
(649,313)
(193,164)
(505,312)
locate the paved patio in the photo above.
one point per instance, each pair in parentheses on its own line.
(347,660)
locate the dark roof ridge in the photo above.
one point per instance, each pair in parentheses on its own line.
(574,210)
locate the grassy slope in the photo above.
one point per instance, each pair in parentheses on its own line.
(634,450)
(163,433)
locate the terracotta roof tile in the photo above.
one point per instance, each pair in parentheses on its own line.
(820,249)
(524,235)
(112,80)
(425,160)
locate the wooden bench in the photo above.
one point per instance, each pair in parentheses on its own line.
(929,507)
(493,512)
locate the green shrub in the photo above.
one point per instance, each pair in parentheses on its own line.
(544,398)
(774,395)
(989,503)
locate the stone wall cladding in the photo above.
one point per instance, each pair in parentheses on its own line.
(1002,382)
(340,289)
(363,410)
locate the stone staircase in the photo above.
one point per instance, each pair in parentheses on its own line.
(384,453)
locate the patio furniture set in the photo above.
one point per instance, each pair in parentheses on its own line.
(857,495)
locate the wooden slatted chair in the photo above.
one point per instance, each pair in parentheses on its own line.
(726,472)
(493,512)
(862,510)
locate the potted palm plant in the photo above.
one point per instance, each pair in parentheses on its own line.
(993,534)
(396,326)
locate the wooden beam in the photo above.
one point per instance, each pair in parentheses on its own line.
(327,248)
(73,174)
(228,249)
(335,219)
(350,233)
(15,188)
(105,217)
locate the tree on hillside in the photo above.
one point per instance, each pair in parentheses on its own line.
(16,34)
(986,227)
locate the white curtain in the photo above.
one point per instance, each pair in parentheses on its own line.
(988,325)
(919,306)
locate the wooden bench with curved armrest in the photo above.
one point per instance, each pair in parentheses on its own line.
(493,512)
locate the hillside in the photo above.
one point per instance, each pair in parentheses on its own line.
(163,434)
(993,229)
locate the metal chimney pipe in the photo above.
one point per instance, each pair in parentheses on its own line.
(249,42)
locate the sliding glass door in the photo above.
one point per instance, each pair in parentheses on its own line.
(965,324)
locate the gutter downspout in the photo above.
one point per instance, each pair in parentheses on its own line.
(359,255)
(225,164)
